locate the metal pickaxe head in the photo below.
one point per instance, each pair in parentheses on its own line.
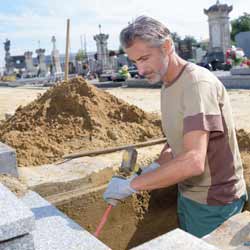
(129,158)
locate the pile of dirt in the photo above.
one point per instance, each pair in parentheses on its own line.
(73,116)
(14,184)
(243,138)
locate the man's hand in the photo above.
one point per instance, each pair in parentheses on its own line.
(118,189)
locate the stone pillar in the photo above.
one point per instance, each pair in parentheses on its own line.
(42,69)
(114,63)
(102,50)
(30,69)
(55,57)
(219,27)
(9,65)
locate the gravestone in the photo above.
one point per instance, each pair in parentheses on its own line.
(219,27)
(199,55)
(102,50)
(42,69)
(55,56)
(243,41)
(9,65)
(30,69)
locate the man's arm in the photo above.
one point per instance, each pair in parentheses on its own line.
(165,155)
(185,165)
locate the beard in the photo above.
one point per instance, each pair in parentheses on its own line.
(155,77)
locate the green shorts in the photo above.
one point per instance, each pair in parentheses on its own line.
(200,219)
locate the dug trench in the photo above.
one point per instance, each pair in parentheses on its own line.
(133,222)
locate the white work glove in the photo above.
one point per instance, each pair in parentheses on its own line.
(118,189)
(153,166)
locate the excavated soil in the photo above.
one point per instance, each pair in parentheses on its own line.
(73,116)
(14,184)
(243,138)
(131,223)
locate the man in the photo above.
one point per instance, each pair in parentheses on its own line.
(202,153)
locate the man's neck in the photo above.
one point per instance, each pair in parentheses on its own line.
(175,66)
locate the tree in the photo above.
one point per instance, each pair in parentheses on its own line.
(175,36)
(121,51)
(81,55)
(240,24)
(190,39)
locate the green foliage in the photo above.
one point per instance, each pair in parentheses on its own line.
(191,39)
(81,55)
(121,51)
(240,24)
(175,36)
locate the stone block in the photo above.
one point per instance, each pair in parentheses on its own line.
(15,218)
(8,163)
(232,234)
(240,71)
(20,243)
(55,231)
(176,240)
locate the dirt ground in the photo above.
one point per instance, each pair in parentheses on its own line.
(11,98)
(146,99)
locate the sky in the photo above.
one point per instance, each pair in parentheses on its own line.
(26,22)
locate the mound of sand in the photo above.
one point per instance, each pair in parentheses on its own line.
(73,116)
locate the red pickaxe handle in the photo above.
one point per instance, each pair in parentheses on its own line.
(103,220)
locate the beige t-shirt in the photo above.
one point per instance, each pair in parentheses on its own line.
(197,100)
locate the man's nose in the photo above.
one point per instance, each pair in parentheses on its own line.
(140,68)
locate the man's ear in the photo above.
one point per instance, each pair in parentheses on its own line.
(167,46)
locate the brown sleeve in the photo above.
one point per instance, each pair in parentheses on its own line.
(201,108)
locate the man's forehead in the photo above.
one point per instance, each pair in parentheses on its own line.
(138,43)
(138,49)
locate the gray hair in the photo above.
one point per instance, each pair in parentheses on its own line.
(146,29)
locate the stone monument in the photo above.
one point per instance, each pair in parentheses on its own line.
(9,65)
(219,27)
(30,69)
(55,56)
(242,41)
(42,69)
(114,62)
(102,50)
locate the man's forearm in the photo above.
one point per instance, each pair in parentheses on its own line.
(166,155)
(184,166)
